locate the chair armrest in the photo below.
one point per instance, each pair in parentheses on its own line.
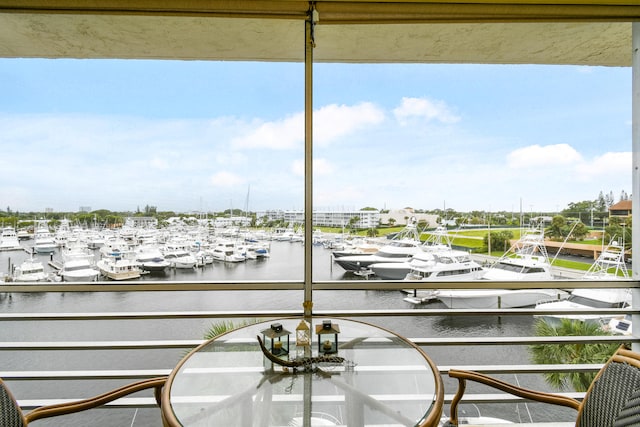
(539,396)
(94,402)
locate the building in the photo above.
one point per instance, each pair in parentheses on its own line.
(333,218)
(620,210)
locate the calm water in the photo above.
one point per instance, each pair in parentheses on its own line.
(286,262)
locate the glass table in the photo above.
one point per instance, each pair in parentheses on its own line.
(375,377)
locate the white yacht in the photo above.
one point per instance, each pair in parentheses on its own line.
(79,269)
(116,268)
(151,258)
(228,251)
(444,265)
(30,271)
(610,265)
(582,299)
(180,258)
(400,249)
(9,240)
(43,241)
(527,259)
(397,251)
(437,242)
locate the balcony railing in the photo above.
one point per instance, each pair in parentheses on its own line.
(29,379)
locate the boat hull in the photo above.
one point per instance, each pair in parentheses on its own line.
(496,298)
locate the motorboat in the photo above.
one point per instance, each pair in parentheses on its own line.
(496,298)
(396,251)
(44,242)
(444,266)
(9,240)
(358,247)
(30,270)
(151,258)
(610,265)
(583,299)
(78,270)
(527,259)
(180,258)
(116,268)
(228,251)
(436,249)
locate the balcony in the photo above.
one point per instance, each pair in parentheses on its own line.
(44,343)
(75,353)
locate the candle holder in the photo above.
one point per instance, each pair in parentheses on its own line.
(303,339)
(276,339)
(327,337)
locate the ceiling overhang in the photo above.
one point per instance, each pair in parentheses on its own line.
(574,32)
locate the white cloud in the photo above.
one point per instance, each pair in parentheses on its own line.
(278,135)
(335,121)
(612,164)
(536,156)
(226,179)
(425,109)
(329,124)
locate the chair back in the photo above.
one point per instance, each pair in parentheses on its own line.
(613,399)
(10,413)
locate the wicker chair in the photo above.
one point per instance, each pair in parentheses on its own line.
(613,399)
(12,416)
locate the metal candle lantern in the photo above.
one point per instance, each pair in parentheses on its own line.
(327,337)
(276,339)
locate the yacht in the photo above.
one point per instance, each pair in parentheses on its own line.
(438,243)
(79,269)
(610,265)
(151,258)
(527,259)
(30,271)
(582,299)
(44,243)
(228,251)
(116,268)
(444,266)
(9,240)
(400,249)
(180,258)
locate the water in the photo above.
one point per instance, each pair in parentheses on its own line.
(286,262)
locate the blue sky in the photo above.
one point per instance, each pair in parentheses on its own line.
(192,135)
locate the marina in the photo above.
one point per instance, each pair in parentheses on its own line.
(285,262)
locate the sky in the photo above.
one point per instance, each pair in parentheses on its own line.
(189,136)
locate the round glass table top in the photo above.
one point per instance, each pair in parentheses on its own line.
(350,374)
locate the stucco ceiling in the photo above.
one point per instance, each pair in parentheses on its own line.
(69,34)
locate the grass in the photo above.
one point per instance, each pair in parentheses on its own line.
(574,265)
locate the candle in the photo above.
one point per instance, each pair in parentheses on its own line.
(326,345)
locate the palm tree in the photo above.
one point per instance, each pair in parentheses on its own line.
(566,354)
(223,326)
